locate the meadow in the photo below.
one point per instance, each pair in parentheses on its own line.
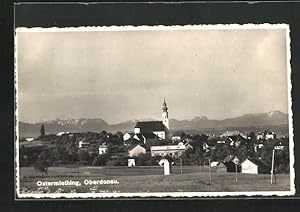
(147,179)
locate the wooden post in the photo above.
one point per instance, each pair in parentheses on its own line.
(180,165)
(209,169)
(236,173)
(200,166)
(272,168)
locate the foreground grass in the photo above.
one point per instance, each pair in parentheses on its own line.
(147,179)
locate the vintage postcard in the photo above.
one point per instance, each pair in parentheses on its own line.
(153,111)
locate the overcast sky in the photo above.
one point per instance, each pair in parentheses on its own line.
(124,75)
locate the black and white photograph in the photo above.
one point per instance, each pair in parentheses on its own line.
(154,111)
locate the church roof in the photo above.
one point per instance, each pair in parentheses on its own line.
(150,126)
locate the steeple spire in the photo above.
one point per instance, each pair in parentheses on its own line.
(165,108)
(165,116)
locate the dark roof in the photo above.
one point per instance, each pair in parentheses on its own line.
(150,135)
(150,126)
(229,158)
(177,133)
(258,162)
(236,138)
(140,136)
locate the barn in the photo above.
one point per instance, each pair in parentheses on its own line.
(255,166)
(218,167)
(230,163)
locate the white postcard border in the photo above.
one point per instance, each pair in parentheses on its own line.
(20,196)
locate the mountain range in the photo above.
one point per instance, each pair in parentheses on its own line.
(272,118)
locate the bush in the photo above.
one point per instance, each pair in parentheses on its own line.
(100,160)
(41,166)
(83,155)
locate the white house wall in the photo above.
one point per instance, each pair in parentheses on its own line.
(126,136)
(249,167)
(136,151)
(160,134)
(137,130)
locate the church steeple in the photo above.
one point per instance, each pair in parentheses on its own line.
(165,108)
(165,115)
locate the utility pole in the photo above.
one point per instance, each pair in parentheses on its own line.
(200,165)
(209,169)
(236,161)
(272,168)
(180,165)
(236,173)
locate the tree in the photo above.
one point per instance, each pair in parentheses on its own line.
(42,131)
(41,166)
(242,152)
(72,149)
(83,155)
(100,160)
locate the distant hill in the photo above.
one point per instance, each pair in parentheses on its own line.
(273,118)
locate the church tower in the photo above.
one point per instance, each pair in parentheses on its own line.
(165,116)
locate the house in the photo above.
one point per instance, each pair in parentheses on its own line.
(83,143)
(214,164)
(136,150)
(131,162)
(270,135)
(63,133)
(167,166)
(29,139)
(152,129)
(186,144)
(218,166)
(258,144)
(208,146)
(127,136)
(205,147)
(135,139)
(232,162)
(235,140)
(266,135)
(255,166)
(170,150)
(103,149)
(233,133)
(140,137)
(279,145)
(176,136)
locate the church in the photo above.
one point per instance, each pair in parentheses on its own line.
(152,129)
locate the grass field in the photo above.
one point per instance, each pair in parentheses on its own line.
(147,179)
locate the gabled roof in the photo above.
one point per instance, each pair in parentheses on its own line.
(134,146)
(258,162)
(167,148)
(130,133)
(103,145)
(139,137)
(233,133)
(229,158)
(150,126)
